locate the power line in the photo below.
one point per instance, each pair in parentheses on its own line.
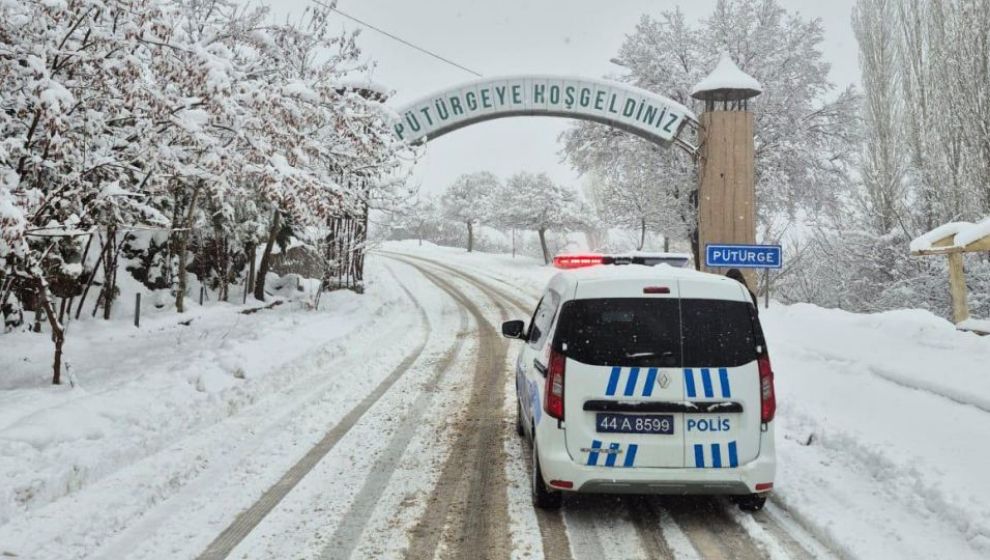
(404,42)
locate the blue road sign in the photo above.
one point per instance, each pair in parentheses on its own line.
(743,256)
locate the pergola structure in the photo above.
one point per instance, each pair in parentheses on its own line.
(954,240)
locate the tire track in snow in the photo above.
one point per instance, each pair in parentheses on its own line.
(486,287)
(247,520)
(469,503)
(553,532)
(710,529)
(647,523)
(347,536)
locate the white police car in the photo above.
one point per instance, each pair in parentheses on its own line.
(645,380)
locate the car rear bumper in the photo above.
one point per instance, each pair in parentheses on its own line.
(557,465)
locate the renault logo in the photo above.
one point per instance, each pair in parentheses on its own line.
(664,380)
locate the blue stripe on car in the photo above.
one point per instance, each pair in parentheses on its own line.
(716,456)
(723,377)
(631,382)
(733,457)
(699,455)
(651,378)
(610,460)
(689,383)
(593,456)
(613,381)
(630,455)
(706,380)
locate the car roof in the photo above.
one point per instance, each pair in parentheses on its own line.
(567,281)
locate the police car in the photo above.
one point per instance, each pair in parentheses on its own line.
(644,379)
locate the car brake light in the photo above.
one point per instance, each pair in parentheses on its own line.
(577,260)
(764,486)
(656,290)
(562,484)
(768,401)
(553,400)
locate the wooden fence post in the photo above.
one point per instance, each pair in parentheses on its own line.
(957,288)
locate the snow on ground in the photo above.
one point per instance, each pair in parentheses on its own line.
(403,431)
(155,408)
(883,420)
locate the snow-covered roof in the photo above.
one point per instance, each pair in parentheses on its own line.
(973,233)
(952,236)
(727,81)
(638,272)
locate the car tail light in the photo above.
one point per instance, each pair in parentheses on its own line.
(553,400)
(578,261)
(768,401)
(656,290)
(764,486)
(562,484)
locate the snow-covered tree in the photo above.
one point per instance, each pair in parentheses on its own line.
(198,117)
(925,160)
(627,194)
(469,200)
(423,219)
(883,162)
(532,201)
(805,130)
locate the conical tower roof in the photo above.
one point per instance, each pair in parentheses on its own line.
(726,83)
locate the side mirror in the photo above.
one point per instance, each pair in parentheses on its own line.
(513,329)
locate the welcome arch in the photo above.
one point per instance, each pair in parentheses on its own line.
(653,117)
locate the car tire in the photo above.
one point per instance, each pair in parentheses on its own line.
(752,502)
(519,419)
(543,497)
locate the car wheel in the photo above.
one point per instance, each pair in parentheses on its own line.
(519,419)
(543,497)
(752,502)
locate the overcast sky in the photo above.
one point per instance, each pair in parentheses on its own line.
(573,37)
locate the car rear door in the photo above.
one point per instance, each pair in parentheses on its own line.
(720,373)
(623,381)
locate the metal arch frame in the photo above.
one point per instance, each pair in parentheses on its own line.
(678,141)
(688,126)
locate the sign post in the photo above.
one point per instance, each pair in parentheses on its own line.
(731,255)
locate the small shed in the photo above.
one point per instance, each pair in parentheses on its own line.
(954,240)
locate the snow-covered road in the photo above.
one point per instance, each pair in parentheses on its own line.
(383,428)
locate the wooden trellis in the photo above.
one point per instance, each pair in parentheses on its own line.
(954,240)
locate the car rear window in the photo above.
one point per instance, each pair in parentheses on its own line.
(631,332)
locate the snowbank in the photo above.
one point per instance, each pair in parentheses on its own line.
(976,325)
(139,390)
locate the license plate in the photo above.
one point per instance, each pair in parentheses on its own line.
(634,423)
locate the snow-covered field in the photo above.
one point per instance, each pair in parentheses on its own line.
(171,430)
